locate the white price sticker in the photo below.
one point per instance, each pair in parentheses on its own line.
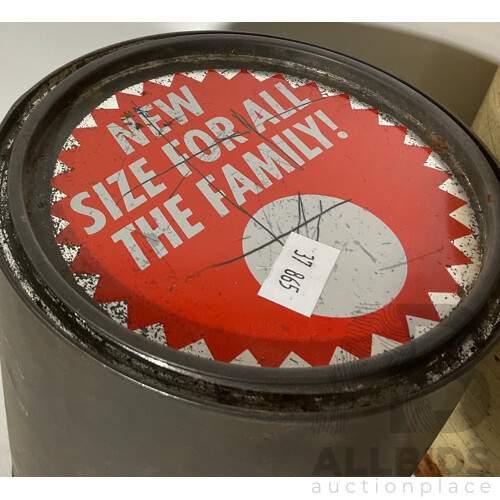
(299,274)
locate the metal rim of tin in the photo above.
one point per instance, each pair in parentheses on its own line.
(420,366)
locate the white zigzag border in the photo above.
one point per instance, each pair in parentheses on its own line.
(444,303)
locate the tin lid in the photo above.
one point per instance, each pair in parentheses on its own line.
(173,199)
(256,202)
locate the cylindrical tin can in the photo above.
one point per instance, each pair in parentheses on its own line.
(231,254)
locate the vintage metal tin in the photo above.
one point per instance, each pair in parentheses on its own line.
(147,190)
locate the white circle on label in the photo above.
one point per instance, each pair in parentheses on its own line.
(370,270)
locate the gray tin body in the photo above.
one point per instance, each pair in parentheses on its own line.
(83,397)
(69,414)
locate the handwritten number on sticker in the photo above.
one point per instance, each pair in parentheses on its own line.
(290,276)
(303,259)
(299,274)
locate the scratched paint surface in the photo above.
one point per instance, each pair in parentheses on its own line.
(172,199)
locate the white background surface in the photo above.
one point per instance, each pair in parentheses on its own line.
(479,38)
(28,52)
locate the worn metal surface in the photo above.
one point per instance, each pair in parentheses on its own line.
(139,192)
(69,414)
(135,398)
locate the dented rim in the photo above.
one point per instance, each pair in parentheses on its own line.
(428,353)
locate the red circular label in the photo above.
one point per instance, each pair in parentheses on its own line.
(168,185)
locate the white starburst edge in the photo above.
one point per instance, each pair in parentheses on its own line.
(444,303)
